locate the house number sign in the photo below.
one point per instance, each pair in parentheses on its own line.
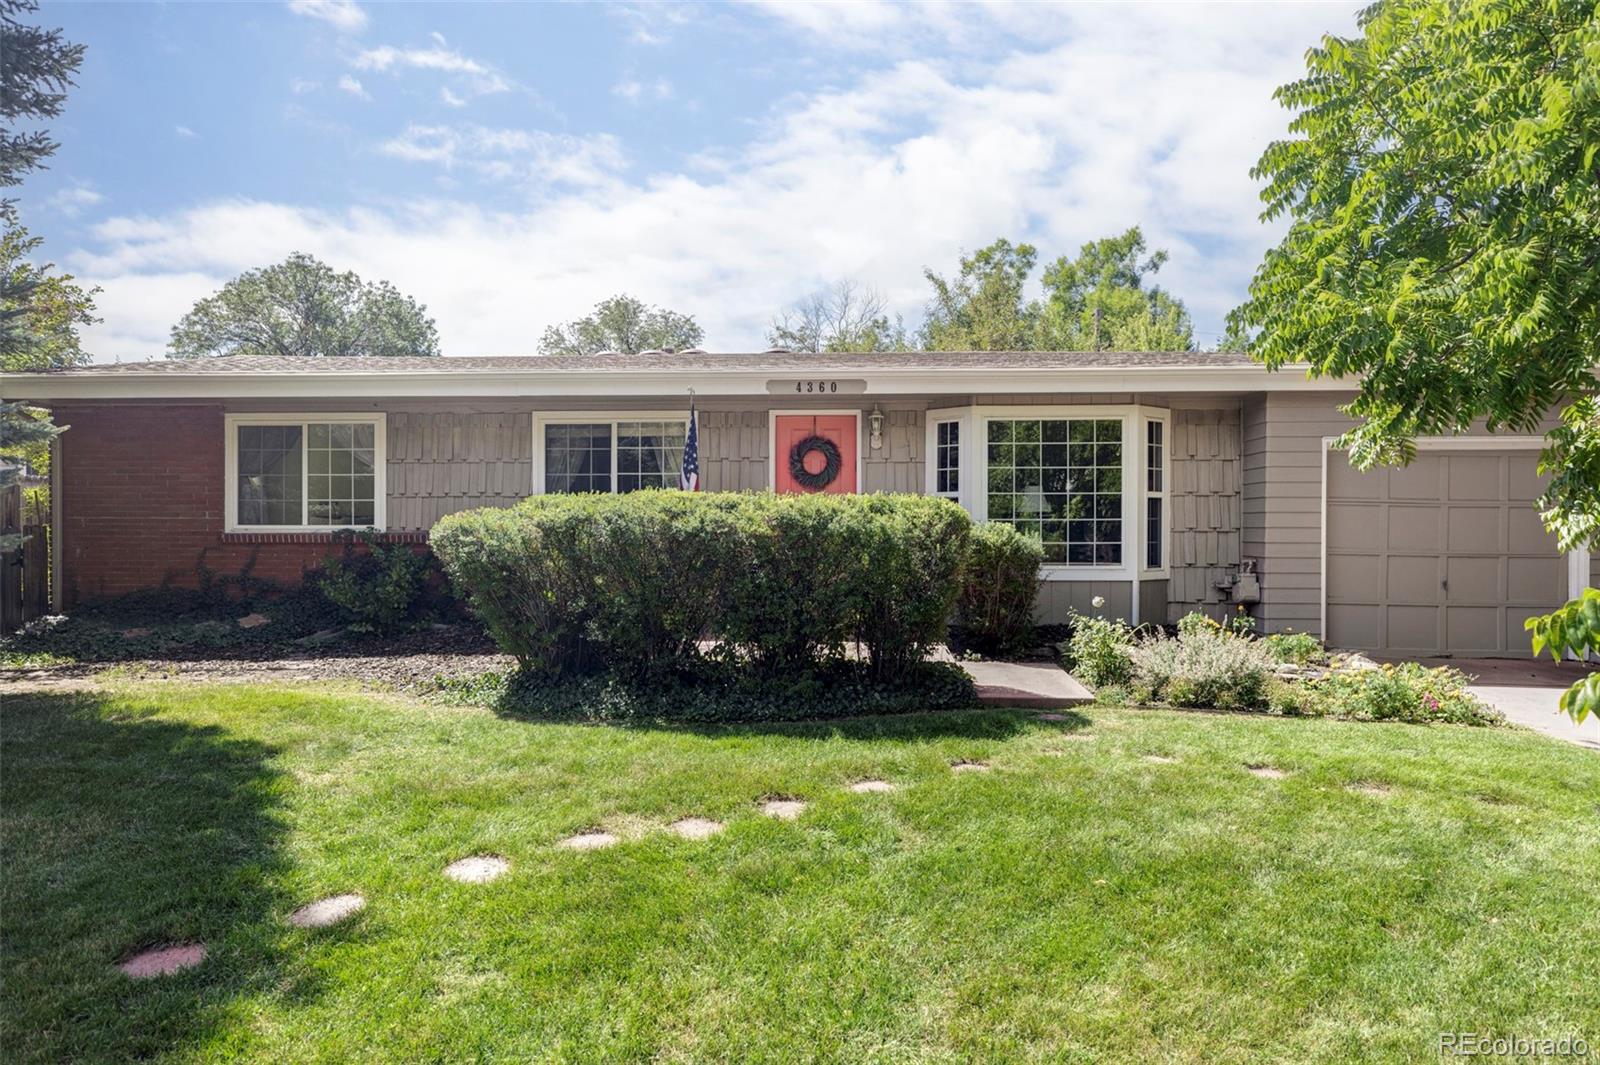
(816,386)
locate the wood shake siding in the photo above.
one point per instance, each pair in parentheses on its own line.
(443,462)
(897,466)
(1206,504)
(733,450)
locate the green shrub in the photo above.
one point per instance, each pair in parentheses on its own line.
(1099,651)
(1407,692)
(378,585)
(1204,668)
(909,578)
(999,582)
(640,579)
(518,571)
(1298,648)
(796,602)
(660,563)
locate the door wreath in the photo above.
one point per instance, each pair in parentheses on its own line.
(831,461)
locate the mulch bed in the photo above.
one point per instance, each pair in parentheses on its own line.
(404,661)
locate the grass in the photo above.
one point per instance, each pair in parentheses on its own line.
(1075,903)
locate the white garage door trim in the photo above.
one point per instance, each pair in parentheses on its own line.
(1577,560)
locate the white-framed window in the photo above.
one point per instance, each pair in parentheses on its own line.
(947,459)
(304,472)
(1059,479)
(589,452)
(1153,548)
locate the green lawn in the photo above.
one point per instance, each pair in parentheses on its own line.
(1075,903)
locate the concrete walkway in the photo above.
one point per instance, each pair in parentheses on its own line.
(1034,685)
(1526,690)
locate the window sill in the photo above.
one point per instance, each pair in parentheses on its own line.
(314,536)
(1058,571)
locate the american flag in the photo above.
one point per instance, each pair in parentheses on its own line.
(689,476)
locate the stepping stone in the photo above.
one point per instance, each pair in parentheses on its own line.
(862,787)
(1160,759)
(164,961)
(696,827)
(251,621)
(969,767)
(1369,788)
(479,869)
(588,841)
(783,809)
(1267,772)
(327,912)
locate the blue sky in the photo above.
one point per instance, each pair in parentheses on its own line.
(511,164)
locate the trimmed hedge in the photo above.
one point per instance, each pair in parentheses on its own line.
(638,582)
(999,583)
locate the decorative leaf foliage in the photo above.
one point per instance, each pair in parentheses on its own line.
(1443,251)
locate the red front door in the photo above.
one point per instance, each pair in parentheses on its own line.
(842,430)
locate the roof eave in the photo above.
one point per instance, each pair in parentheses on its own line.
(42,387)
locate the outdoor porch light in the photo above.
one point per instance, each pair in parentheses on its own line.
(875,420)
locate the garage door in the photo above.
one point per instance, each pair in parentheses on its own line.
(1443,557)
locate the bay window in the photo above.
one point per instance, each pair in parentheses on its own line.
(1060,479)
(304,472)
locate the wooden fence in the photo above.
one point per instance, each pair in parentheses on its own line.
(25,571)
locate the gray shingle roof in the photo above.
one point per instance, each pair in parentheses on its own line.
(734,363)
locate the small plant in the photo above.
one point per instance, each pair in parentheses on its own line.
(999,581)
(1204,667)
(1099,651)
(1298,648)
(379,586)
(1408,692)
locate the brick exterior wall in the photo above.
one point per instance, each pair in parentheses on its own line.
(141,496)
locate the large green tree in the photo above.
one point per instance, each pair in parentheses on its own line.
(983,307)
(38,325)
(622,325)
(1103,301)
(40,310)
(844,317)
(303,307)
(1099,301)
(1443,192)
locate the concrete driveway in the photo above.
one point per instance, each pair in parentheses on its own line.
(1526,691)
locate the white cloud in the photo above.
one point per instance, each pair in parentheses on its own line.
(354,87)
(301,86)
(1149,116)
(450,99)
(185,132)
(529,157)
(481,78)
(342,15)
(633,90)
(74,199)
(438,38)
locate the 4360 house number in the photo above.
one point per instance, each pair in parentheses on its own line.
(816,387)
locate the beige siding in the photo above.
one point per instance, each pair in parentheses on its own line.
(1153,602)
(733,450)
(1286,483)
(897,465)
(442,462)
(1283,468)
(1205,501)
(1058,598)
